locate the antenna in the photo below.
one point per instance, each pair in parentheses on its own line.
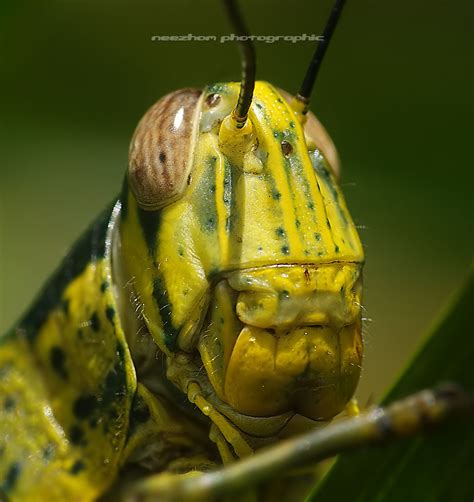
(306,88)
(247,51)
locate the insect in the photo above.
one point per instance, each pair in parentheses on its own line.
(214,301)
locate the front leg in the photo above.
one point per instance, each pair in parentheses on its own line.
(162,440)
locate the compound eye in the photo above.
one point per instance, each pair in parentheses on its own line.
(316,133)
(160,154)
(318,138)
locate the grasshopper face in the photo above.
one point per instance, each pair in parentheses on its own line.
(244,255)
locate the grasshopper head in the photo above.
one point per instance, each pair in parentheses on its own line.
(243,253)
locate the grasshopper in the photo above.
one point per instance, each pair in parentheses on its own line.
(211,306)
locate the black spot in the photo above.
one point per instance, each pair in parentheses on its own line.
(57,358)
(95,322)
(84,406)
(110,314)
(280,232)
(162,157)
(336,249)
(280,135)
(77,467)
(327,223)
(9,404)
(210,224)
(276,195)
(104,286)
(285,250)
(283,295)
(317,236)
(76,434)
(297,223)
(115,385)
(11,477)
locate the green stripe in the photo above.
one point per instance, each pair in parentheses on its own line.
(165,308)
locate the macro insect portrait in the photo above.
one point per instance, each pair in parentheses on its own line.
(203,338)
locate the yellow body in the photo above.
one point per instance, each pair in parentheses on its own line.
(241,296)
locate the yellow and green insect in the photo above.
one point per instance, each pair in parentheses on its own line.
(213,304)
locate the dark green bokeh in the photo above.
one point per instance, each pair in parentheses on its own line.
(395,93)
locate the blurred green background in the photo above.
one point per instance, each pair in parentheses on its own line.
(395,93)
